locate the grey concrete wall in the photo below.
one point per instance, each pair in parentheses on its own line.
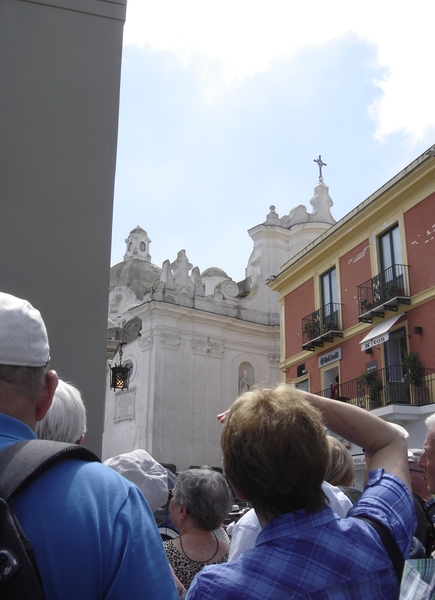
(60,66)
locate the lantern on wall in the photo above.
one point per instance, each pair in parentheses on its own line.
(120,374)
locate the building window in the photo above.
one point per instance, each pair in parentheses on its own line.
(300,370)
(328,283)
(142,246)
(390,251)
(302,385)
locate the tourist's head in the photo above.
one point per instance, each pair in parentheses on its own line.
(417,474)
(65,421)
(275,450)
(205,494)
(341,468)
(140,468)
(26,388)
(427,458)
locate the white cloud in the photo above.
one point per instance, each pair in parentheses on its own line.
(243,37)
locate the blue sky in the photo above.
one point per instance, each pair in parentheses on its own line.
(224,106)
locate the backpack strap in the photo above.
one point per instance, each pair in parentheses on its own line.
(352,493)
(390,545)
(23,462)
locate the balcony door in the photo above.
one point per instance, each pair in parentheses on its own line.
(394,351)
(390,250)
(329,299)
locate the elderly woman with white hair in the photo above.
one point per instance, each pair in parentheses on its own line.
(65,421)
(201,500)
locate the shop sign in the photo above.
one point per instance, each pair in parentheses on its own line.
(331,357)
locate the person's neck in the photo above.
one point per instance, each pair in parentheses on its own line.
(191,528)
(262,519)
(21,409)
(424,497)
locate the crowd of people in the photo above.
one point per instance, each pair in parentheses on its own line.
(308,534)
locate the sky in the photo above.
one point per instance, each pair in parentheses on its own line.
(224,105)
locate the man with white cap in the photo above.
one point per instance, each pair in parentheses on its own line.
(93,534)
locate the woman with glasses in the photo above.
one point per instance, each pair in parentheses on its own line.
(200,502)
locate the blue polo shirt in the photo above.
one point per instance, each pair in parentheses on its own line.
(93,533)
(318,555)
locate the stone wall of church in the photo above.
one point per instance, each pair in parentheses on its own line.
(187,367)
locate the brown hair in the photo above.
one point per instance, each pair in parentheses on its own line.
(275,450)
(341,468)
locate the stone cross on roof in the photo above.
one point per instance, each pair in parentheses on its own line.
(321,164)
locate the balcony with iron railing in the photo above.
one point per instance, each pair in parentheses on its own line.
(384,292)
(387,386)
(323,325)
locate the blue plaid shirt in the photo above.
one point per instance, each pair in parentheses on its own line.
(319,556)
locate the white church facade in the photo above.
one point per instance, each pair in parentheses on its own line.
(195,341)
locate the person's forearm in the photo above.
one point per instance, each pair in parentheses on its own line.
(383,444)
(355,424)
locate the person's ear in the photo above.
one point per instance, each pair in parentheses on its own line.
(46,397)
(180,512)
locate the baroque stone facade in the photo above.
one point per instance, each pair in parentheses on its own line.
(195,341)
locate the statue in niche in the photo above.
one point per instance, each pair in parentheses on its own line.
(246,380)
(243,383)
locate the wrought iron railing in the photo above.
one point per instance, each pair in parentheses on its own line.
(384,291)
(322,325)
(386,386)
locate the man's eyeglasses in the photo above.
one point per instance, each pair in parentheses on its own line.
(170,494)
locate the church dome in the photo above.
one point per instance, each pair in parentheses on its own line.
(213,272)
(136,274)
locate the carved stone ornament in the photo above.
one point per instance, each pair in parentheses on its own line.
(217,350)
(274,359)
(170,342)
(145,342)
(200,347)
(229,288)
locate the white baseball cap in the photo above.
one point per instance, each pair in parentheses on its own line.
(23,336)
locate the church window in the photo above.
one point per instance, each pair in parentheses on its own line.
(142,246)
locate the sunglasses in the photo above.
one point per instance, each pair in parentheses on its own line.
(415,471)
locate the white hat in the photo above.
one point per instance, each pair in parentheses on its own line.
(23,336)
(150,477)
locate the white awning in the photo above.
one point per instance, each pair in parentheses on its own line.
(379,334)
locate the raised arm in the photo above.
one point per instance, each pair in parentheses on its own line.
(385,447)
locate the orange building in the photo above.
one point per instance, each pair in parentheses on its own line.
(358,304)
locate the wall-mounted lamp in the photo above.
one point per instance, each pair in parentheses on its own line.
(368,351)
(418,330)
(120,374)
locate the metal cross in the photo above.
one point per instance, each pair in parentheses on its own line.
(321,164)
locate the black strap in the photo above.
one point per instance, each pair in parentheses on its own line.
(390,545)
(23,462)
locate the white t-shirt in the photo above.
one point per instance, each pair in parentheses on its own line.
(247,528)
